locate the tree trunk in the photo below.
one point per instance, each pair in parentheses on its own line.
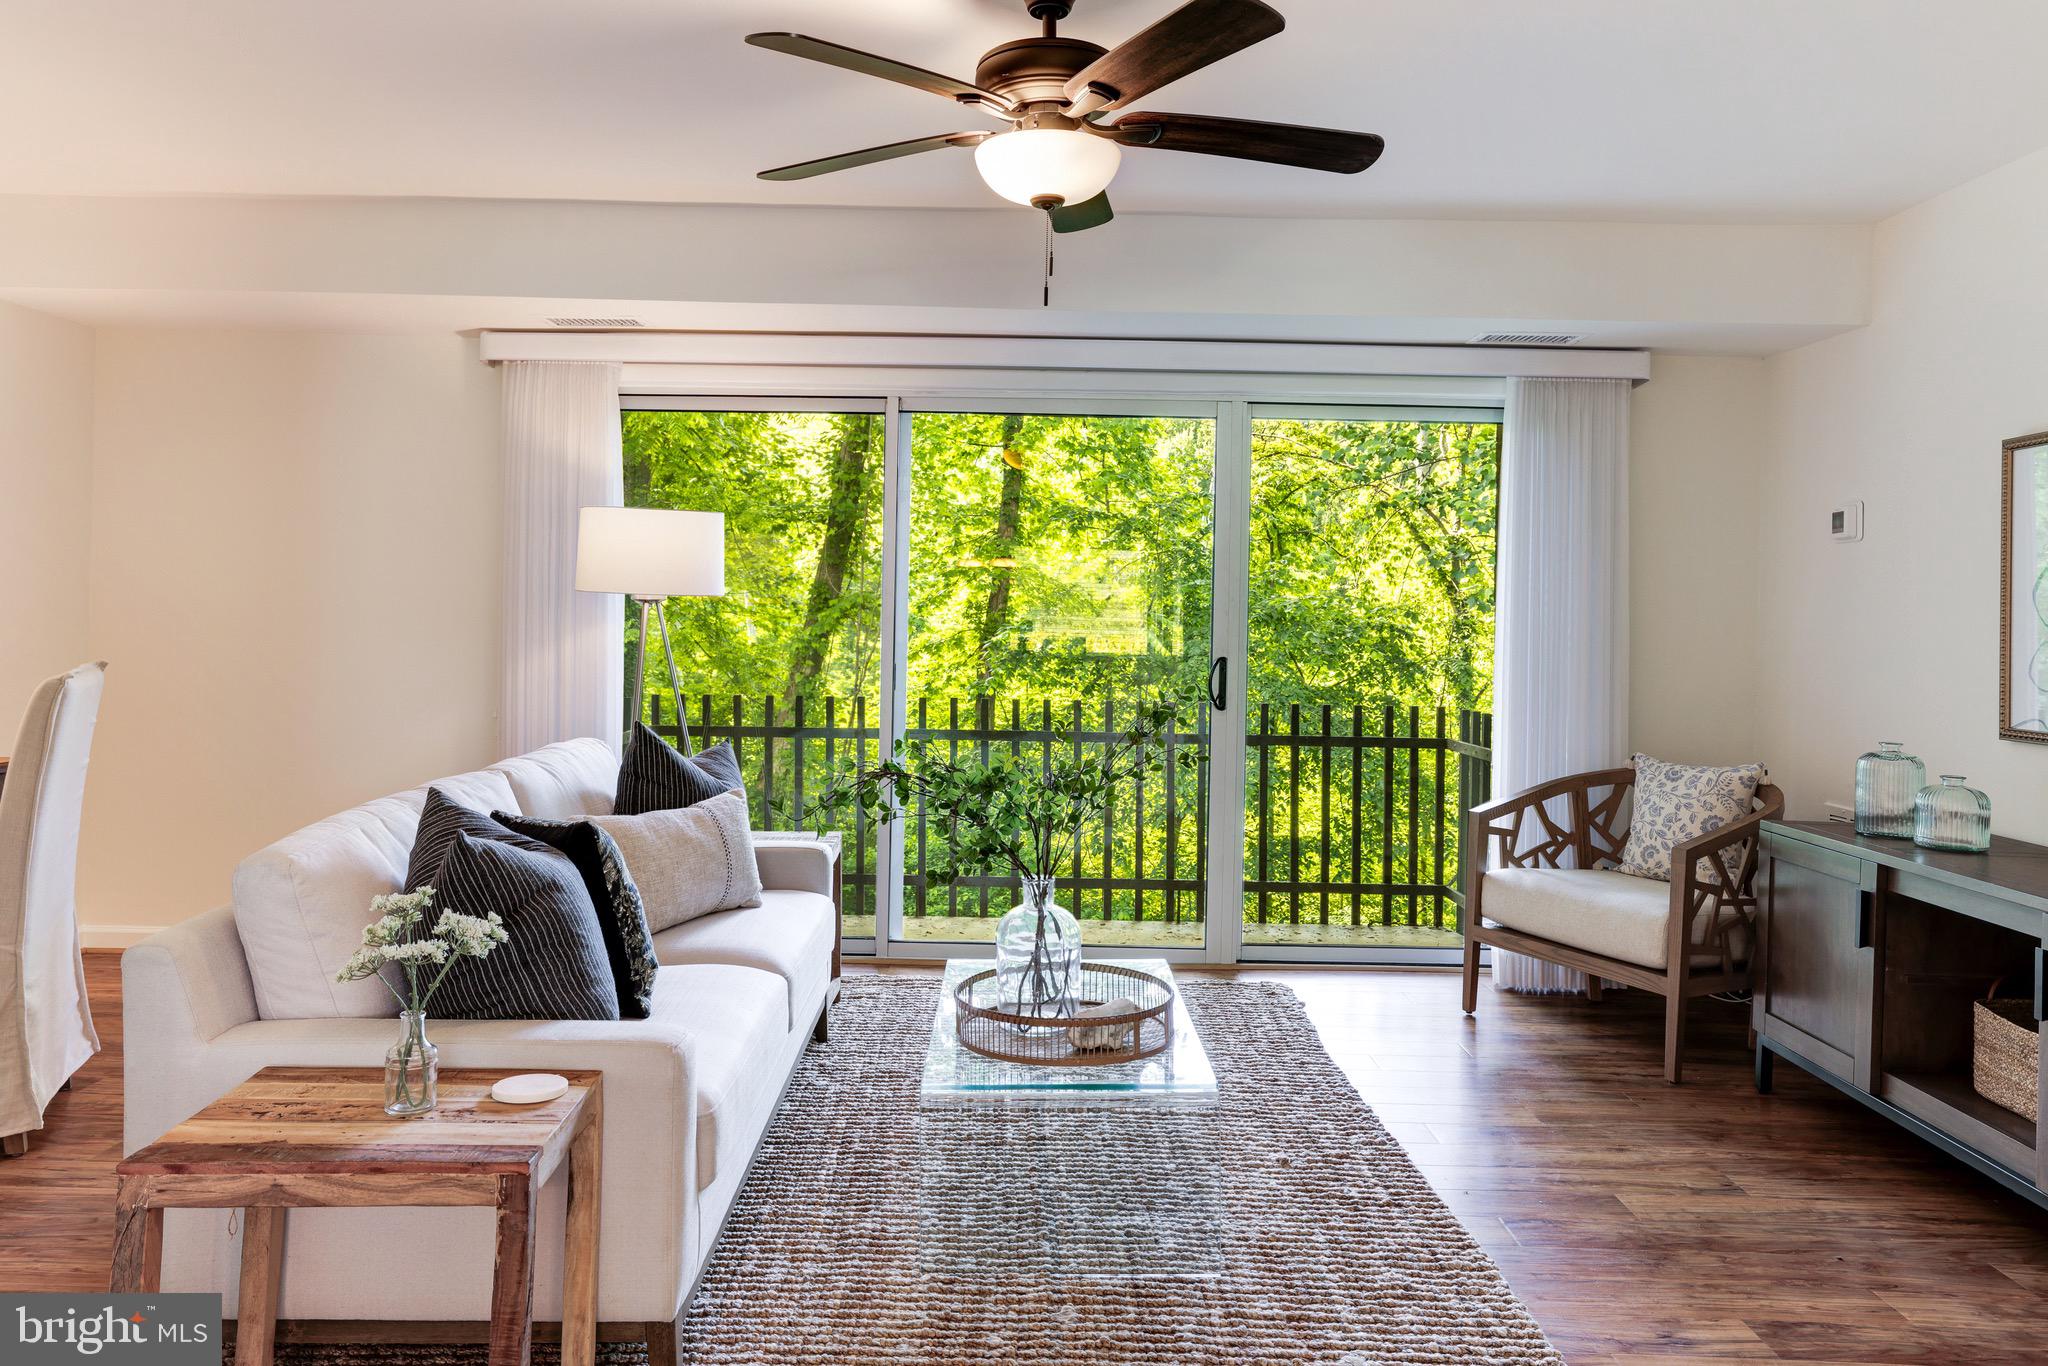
(995,613)
(845,500)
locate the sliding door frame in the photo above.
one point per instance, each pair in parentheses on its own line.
(1233,404)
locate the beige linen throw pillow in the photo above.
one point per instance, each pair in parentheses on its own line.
(689,862)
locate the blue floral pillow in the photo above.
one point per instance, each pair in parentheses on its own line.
(1678,802)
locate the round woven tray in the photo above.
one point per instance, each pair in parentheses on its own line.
(985,1028)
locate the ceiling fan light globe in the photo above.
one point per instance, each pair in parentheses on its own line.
(1032,165)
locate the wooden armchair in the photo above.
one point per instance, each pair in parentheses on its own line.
(1552,891)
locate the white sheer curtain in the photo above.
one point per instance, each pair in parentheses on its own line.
(564,650)
(1561,635)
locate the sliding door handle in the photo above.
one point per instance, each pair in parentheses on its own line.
(1219,683)
(2039,1013)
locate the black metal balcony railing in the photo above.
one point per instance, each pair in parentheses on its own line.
(1353,815)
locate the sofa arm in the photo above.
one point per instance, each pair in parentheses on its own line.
(648,1191)
(796,865)
(181,988)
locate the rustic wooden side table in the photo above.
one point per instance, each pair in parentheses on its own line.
(319,1137)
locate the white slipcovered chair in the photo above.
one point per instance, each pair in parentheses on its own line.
(46,1030)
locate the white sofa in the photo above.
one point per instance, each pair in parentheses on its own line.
(688,1092)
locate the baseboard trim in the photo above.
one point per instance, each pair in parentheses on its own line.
(114,936)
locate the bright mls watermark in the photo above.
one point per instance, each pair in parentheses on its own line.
(110,1330)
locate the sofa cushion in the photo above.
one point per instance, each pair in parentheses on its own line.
(628,942)
(789,934)
(656,776)
(1598,910)
(301,903)
(689,862)
(552,964)
(734,1017)
(565,780)
(441,820)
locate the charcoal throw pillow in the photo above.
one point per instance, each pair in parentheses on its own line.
(656,776)
(1674,803)
(552,965)
(441,820)
(628,943)
(691,862)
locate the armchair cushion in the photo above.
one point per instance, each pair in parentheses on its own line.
(1679,802)
(1598,910)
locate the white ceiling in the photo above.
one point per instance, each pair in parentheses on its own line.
(1724,110)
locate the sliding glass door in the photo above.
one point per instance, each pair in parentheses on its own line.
(1368,671)
(1313,587)
(1059,576)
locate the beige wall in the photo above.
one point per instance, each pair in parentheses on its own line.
(296,574)
(1695,455)
(45,502)
(1896,637)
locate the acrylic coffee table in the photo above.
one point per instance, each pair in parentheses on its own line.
(955,1075)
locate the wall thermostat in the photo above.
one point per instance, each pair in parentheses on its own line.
(1845,521)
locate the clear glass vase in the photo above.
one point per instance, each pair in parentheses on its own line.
(411,1069)
(1952,815)
(1038,955)
(1887,781)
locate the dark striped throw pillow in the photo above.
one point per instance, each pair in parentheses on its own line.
(620,915)
(552,965)
(655,776)
(441,820)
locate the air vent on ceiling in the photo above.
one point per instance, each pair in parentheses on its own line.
(597,322)
(1525,339)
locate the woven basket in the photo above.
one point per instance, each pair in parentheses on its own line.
(2006,1066)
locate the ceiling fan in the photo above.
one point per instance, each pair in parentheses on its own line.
(1059,154)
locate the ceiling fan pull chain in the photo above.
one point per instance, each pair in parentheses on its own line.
(1045,300)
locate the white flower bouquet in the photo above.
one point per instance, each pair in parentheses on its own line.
(395,936)
(399,937)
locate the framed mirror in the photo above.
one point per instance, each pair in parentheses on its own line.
(2023,593)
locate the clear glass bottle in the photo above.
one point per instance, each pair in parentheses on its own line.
(1951,815)
(1886,780)
(1038,955)
(411,1069)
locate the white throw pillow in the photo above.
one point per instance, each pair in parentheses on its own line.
(1678,802)
(689,862)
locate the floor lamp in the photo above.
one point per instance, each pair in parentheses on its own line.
(652,555)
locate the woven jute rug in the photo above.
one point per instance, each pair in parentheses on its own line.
(1280,1225)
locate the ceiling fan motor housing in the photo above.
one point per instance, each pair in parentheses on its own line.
(1035,70)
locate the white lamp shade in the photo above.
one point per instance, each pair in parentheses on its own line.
(651,552)
(1066,164)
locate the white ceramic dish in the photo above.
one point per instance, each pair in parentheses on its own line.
(530,1088)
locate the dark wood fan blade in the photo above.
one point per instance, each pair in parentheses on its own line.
(868,64)
(1318,149)
(1190,38)
(1089,213)
(846,161)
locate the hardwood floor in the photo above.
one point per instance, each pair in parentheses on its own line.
(1639,1221)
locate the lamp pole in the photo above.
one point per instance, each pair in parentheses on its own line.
(660,606)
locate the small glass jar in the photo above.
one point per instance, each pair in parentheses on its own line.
(1886,780)
(1951,815)
(411,1069)
(1038,955)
